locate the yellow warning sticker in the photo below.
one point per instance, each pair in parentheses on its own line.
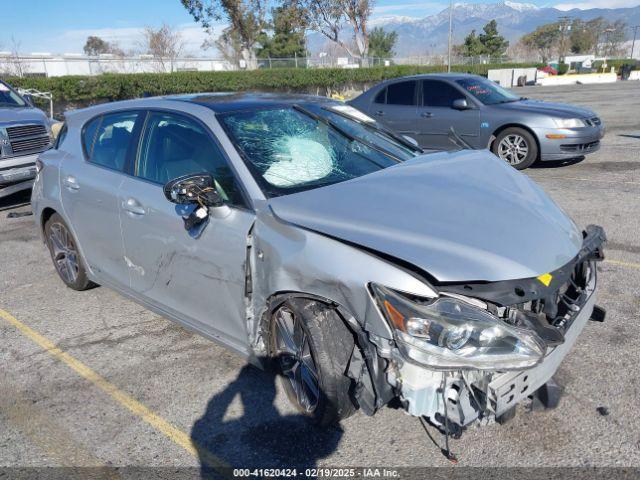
(545,279)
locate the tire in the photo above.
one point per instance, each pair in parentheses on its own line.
(517,147)
(330,344)
(64,253)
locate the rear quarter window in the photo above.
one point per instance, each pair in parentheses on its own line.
(89,135)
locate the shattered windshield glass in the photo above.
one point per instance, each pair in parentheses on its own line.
(290,150)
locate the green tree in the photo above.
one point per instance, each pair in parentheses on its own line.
(544,39)
(472,47)
(246,19)
(381,43)
(96,45)
(288,38)
(493,44)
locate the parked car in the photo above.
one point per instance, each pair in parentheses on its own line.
(298,232)
(518,130)
(24,132)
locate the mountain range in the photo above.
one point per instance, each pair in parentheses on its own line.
(428,35)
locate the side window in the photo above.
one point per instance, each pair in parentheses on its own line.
(439,94)
(403,93)
(174,145)
(62,134)
(381,97)
(89,135)
(112,140)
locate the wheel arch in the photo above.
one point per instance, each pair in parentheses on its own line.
(502,128)
(46,214)
(372,390)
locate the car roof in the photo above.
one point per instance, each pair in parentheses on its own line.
(222,102)
(442,76)
(219,102)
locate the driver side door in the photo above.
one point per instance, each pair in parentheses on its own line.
(199,281)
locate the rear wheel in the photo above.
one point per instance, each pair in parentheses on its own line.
(517,147)
(311,347)
(64,254)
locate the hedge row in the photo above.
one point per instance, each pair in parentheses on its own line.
(110,87)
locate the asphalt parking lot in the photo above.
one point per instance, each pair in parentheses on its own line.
(91,379)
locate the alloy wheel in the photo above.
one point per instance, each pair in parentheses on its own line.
(513,149)
(63,251)
(293,351)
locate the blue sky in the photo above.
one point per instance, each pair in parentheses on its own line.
(63,26)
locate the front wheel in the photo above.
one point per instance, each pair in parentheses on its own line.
(311,347)
(517,147)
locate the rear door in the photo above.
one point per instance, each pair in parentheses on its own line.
(396,107)
(437,116)
(200,281)
(90,179)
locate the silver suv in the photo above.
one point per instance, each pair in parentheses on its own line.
(296,230)
(24,132)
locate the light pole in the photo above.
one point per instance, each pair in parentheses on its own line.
(633,44)
(450,30)
(564,27)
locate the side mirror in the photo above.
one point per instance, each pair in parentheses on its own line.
(460,104)
(197,189)
(411,140)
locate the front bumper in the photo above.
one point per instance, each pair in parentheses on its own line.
(463,397)
(17,170)
(576,142)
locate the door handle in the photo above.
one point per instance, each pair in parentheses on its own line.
(133,207)
(426,114)
(380,113)
(71,183)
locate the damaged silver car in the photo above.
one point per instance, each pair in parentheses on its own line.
(298,232)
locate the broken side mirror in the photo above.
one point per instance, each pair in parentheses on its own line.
(197,199)
(197,189)
(460,104)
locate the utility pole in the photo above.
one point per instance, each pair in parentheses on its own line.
(565,26)
(633,44)
(450,30)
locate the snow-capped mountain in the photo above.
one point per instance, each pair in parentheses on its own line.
(423,36)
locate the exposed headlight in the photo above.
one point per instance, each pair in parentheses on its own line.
(447,333)
(569,122)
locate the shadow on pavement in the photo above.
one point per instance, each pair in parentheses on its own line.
(557,163)
(629,136)
(261,437)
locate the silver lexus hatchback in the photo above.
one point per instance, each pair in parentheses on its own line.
(298,232)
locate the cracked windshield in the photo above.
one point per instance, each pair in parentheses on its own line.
(290,149)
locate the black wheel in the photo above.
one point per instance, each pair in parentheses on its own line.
(311,347)
(64,254)
(517,147)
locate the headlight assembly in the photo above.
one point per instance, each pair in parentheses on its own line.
(569,122)
(447,333)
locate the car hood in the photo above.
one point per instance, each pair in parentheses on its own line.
(21,115)
(462,216)
(561,110)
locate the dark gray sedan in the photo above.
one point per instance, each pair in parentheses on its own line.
(485,115)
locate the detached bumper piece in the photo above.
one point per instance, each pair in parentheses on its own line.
(557,310)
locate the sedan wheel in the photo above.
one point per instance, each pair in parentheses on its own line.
(296,360)
(64,253)
(513,149)
(311,346)
(517,147)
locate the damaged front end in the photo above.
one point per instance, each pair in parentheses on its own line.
(478,349)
